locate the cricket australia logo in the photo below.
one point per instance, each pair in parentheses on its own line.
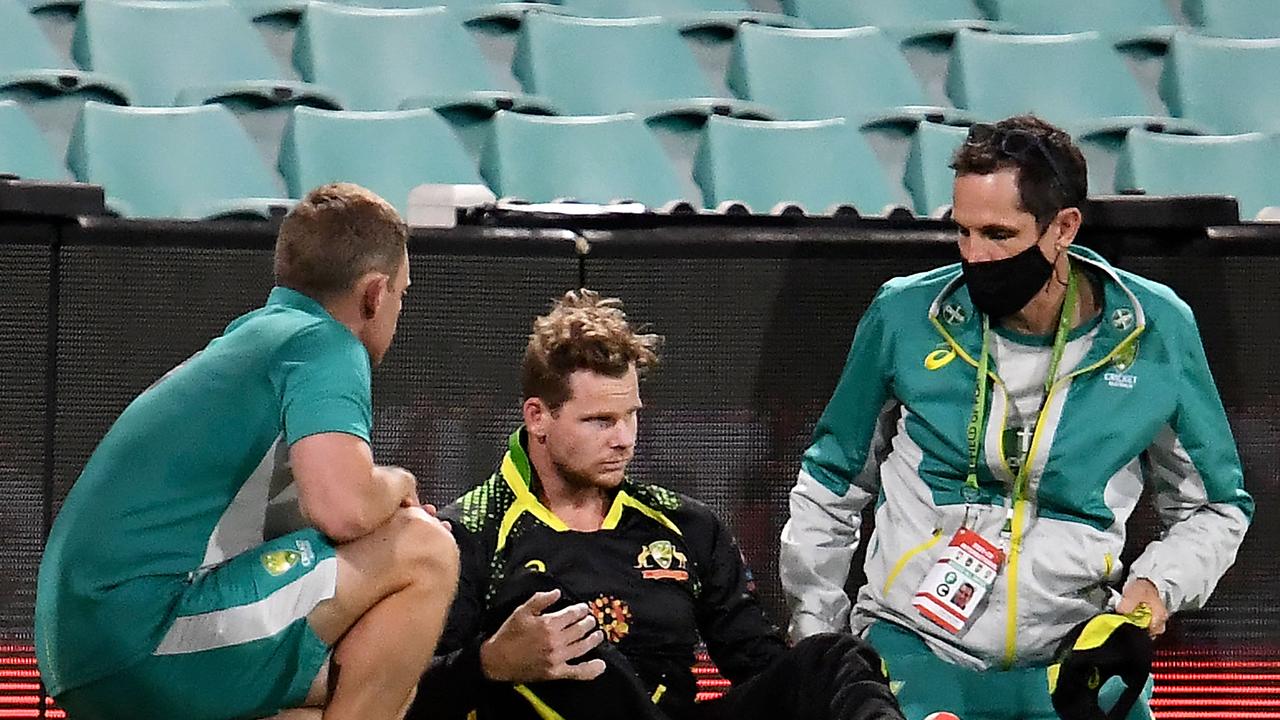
(1124,358)
(279,562)
(660,560)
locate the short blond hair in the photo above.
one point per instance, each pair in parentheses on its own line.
(335,235)
(583,331)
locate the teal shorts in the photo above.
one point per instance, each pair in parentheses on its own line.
(925,683)
(238,646)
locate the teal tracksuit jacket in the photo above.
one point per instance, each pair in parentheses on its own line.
(1133,406)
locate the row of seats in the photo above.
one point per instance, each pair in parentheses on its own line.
(199,162)
(1245,166)
(196,162)
(1124,21)
(1127,20)
(180,53)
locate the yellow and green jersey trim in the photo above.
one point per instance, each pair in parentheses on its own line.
(517,475)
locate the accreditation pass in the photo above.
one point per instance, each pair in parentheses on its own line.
(954,589)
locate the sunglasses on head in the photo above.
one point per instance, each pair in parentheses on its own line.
(1015,143)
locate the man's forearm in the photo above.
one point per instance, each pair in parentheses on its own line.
(340,491)
(387,492)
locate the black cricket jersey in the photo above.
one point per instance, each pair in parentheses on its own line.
(661,574)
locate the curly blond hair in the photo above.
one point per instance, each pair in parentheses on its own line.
(583,331)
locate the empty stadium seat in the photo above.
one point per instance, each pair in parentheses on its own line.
(857,73)
(466,10)
(1234,18)
(1122,21)
(1245,166)
(815,164)
(589,66)
(189,162)
(928,175)
(388,152)
(42,5)
(686,14)
(264,9)
(23,150)
(901,19)
(1229,85)
(184,52)
(1076,80)
(28,60)
(414,58)
(590,159)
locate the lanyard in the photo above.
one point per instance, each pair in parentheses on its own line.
(971,491)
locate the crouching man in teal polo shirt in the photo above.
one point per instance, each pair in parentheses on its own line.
(231,550)
(1003,416)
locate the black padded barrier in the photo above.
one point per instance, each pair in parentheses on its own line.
(25,253)
(757,318)
(26,264)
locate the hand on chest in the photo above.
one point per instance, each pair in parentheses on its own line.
(637,584)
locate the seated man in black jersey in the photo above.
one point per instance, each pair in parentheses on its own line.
(584,593)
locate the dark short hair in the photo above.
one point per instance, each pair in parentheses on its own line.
(583,331)
(1052,174)
(333,236)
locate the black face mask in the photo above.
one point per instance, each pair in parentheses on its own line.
(1001,288)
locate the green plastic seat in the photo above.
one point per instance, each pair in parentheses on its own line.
(1245,166)
(1234,18)
(686,14)
(856,73)
(597,66)
(189,162)
(1121,21)
(1229,85)
(900,19)
(464,10)
(505,13)
(41,5)
(23,150)
(928,175)
(1076,80)
(389,152)
(590,159)
(815,164)
(184,52)
(408,58)
(28,60)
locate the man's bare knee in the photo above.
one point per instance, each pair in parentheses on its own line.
(425,547)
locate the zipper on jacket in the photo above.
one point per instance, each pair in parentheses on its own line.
(1020,501)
